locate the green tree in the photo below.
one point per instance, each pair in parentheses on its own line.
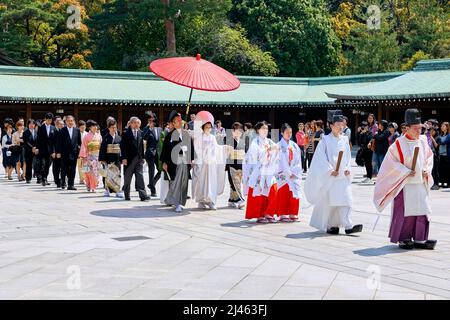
(298,34)
(36,33)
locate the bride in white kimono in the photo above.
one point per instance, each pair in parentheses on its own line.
(330,190)
(208,172)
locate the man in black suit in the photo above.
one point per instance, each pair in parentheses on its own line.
(45,136)
(68,149)
(56,157)
(29,140)
(132,156)
(151,135)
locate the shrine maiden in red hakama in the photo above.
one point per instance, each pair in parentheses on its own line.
(259,169)
(289,177)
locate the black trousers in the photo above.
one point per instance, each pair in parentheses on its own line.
(367,156)
(435,171)
(45,163)
(152,178)
(135,167)
(444,170)
(303,157)
(56,169)
(68,170)
(29,156)
(308,160)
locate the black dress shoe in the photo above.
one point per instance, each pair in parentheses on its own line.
(71,188)
(39,181)
(428,245)
(63,186)
(58,186)
(47,183)
(407,245)
(154,195)
(44,184)
(356,228)
(146,198)
(333,230)
(28,181)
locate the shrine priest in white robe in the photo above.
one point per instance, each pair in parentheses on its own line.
(330,190)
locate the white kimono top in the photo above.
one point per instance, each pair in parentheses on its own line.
(260,167)
(290,163)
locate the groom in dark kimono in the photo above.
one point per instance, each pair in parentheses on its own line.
(177,155)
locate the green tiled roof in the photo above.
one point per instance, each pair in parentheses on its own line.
(96,86)
(63,85)
(429,79)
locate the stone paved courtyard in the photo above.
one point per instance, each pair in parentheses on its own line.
(50,239)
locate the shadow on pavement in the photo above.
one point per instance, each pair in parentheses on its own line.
(309,235)
(139,212)
(240,224)
(381,251)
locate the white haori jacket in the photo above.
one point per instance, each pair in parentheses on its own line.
(290,163)
(208,172)
(323,190)
(393,176)
(260,166)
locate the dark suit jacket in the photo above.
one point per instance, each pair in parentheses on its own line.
(67,147)
(28,140)
(44,142)
(152,141)
(130,147)
(172,141)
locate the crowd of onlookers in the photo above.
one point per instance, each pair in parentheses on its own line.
(374,138)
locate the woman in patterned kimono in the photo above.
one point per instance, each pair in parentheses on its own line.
(259,170)
(110,157)
(234,166)
(90,149)
(289,177)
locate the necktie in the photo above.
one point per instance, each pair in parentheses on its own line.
(135,134)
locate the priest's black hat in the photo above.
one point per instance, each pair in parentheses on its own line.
(173,114)
(412,116)
(332,113)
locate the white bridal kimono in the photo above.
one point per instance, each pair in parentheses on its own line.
(331,196)
(208,172)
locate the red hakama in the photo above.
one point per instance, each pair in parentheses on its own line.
(260,206)
(286,203)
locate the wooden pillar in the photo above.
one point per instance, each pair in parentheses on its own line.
(161,116)
(272,118)
(380,112)
(120,118)
(237,116)
(75,112)
(28,112)
(387,114)
(355,131)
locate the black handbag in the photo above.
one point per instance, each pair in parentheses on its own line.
(359,158)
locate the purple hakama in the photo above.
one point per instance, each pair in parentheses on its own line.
(407,228)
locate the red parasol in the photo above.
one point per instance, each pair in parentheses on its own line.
(194,73)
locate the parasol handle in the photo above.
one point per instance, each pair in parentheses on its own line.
(188,105)
(414,162)
(339,160)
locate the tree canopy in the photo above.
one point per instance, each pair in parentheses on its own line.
(249,37)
